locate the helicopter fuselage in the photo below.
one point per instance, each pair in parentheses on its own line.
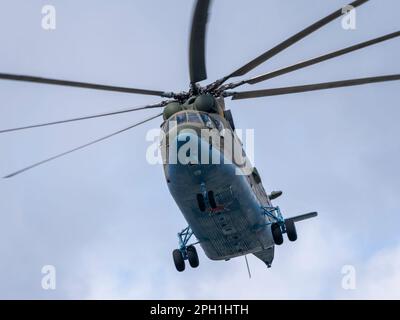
(229,220)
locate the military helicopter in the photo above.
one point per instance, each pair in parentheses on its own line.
(229,214)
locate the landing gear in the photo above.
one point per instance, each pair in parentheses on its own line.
(178,260)
(192,256)
(277,233)
(291,230)
(280,225)
(185,251)
(206,198)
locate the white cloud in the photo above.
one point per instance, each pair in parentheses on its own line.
(308,268)
(379,277)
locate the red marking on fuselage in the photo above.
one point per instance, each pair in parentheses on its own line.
(217,209)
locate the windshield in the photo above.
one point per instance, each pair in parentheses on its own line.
(190,117)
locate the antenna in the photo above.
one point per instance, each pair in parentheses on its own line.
(248,268)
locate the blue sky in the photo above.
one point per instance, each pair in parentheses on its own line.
(104,218)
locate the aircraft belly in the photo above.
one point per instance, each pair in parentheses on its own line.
(237,226)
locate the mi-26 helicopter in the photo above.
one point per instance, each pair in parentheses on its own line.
(230,214)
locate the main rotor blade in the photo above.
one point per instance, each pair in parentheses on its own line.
(197,47)
(310,87)
(158,105)
(307,63)
(67,83)
(289,42)
(80,147)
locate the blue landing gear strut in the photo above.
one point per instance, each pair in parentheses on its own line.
(186,251)
(279,225)
(274,213)
(184,237)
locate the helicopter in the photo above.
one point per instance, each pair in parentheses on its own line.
(221,196)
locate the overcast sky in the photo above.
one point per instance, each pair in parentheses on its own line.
(104,217)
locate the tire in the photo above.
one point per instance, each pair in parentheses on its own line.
(192,256)
(211,199)
(277,234)
(200,202)
(291,230)
(178,260)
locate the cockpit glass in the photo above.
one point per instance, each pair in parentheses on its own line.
(165,126)
(219,124)
(207,121)
(181,118)
(172,123)
(192,117)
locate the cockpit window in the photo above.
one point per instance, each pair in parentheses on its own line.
(172,123)
(164,126)
(181,118)
(219,124)
(207,121)
(193,117)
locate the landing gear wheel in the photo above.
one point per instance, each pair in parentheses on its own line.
(291,230)
(277,234)
(200,202)
(178,260)
(192,256)
(211,199)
